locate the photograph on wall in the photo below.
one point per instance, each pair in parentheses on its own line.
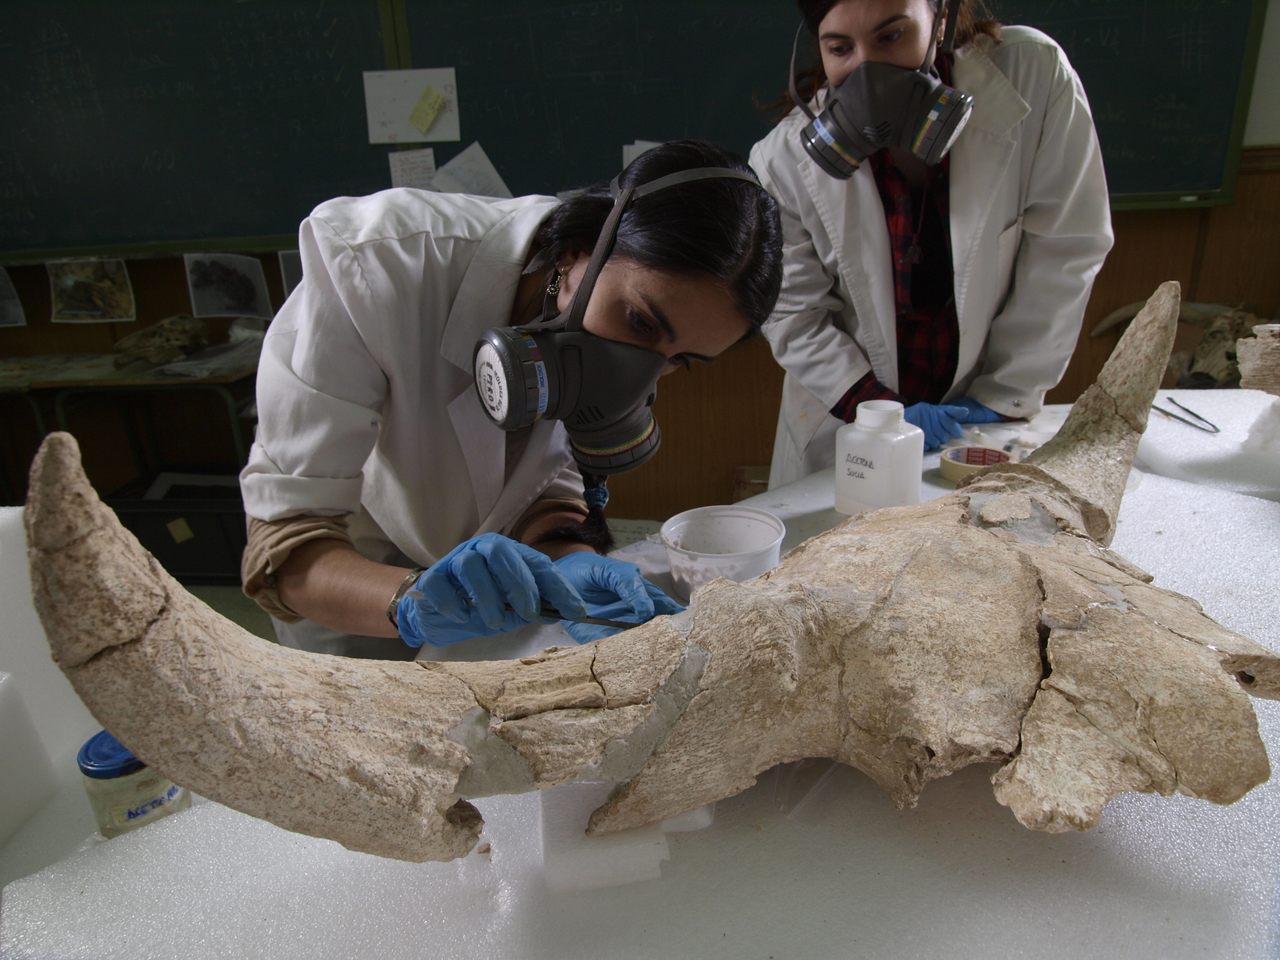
(90,291)
(290,269)
(11,313)
(412,106)
(227,285)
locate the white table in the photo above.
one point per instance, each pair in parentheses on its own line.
(813,861)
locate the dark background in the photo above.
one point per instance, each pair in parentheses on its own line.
(137,122)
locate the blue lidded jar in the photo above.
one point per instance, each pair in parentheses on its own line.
(124,792)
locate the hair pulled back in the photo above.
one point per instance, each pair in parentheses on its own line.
(972,19)
(722,228)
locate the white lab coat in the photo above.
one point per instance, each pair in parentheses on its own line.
(1030,226)
(366,403)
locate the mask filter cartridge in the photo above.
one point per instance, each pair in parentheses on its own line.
(882,105)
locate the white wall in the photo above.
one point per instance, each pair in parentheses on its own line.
(1264,109)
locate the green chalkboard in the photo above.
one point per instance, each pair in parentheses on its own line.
(186,124)
(553,89)
(137,122)
(1168,83)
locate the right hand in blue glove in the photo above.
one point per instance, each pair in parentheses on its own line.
(488,584)
(939,421)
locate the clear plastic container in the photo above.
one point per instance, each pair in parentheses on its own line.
(879,458)
(124,792)
(731,541)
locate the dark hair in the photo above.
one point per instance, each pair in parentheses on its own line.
(722,228)
(972,19)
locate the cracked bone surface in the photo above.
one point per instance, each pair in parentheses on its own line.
(990,626)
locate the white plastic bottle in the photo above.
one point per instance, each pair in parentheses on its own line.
(878,459)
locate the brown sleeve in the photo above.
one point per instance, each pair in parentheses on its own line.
(270,542)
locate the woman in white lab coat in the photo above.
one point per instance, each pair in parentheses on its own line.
(382,500)
(994,249)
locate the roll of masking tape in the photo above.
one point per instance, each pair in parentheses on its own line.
(958,462)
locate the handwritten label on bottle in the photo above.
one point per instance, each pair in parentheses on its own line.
(853,466)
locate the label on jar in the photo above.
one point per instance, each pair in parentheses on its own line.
(125,815)
(856,466)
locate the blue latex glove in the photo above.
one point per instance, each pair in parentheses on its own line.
(612,589)
(939,421)
(977,412)
(488,584)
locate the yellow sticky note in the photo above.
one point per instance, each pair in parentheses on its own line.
(180,530)
(427,109)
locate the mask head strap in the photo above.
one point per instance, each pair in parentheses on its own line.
(949,36)
(791,76)
(609,232)
(948,47)
(927,64)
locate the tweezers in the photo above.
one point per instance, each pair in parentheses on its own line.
(551,613)
(1210,428)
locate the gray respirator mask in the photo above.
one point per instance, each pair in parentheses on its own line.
(881,105)
(553,369)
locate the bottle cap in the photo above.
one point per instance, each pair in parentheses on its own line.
(878,413)
(103,757)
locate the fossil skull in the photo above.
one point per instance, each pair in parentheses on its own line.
(990,626)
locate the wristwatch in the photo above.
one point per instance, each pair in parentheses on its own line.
(405,586)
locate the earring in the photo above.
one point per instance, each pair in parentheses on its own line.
(553,285)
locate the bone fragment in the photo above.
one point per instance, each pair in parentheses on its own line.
(990,626)
(1197,314)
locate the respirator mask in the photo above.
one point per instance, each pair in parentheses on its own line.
(881,105)
(553,369)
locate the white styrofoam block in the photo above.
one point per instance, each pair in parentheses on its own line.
(571,860)
(209,882)
(698,818)
(1243,456)
(28,772)
(57,830)
(844,873)
(59,716)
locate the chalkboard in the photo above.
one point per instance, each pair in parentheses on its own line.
(552,90)
(1168,82)
(191,123)
(137,122)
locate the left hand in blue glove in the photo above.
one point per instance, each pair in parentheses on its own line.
(977,412)
(613,590)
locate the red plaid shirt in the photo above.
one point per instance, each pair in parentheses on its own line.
(928,330)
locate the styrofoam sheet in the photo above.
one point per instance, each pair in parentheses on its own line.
(60,719)
(790,868)
(1243,456)
(24,760)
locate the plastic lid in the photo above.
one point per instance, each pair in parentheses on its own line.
(103,757)
(878,413)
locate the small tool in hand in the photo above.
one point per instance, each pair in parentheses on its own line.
(551,613)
